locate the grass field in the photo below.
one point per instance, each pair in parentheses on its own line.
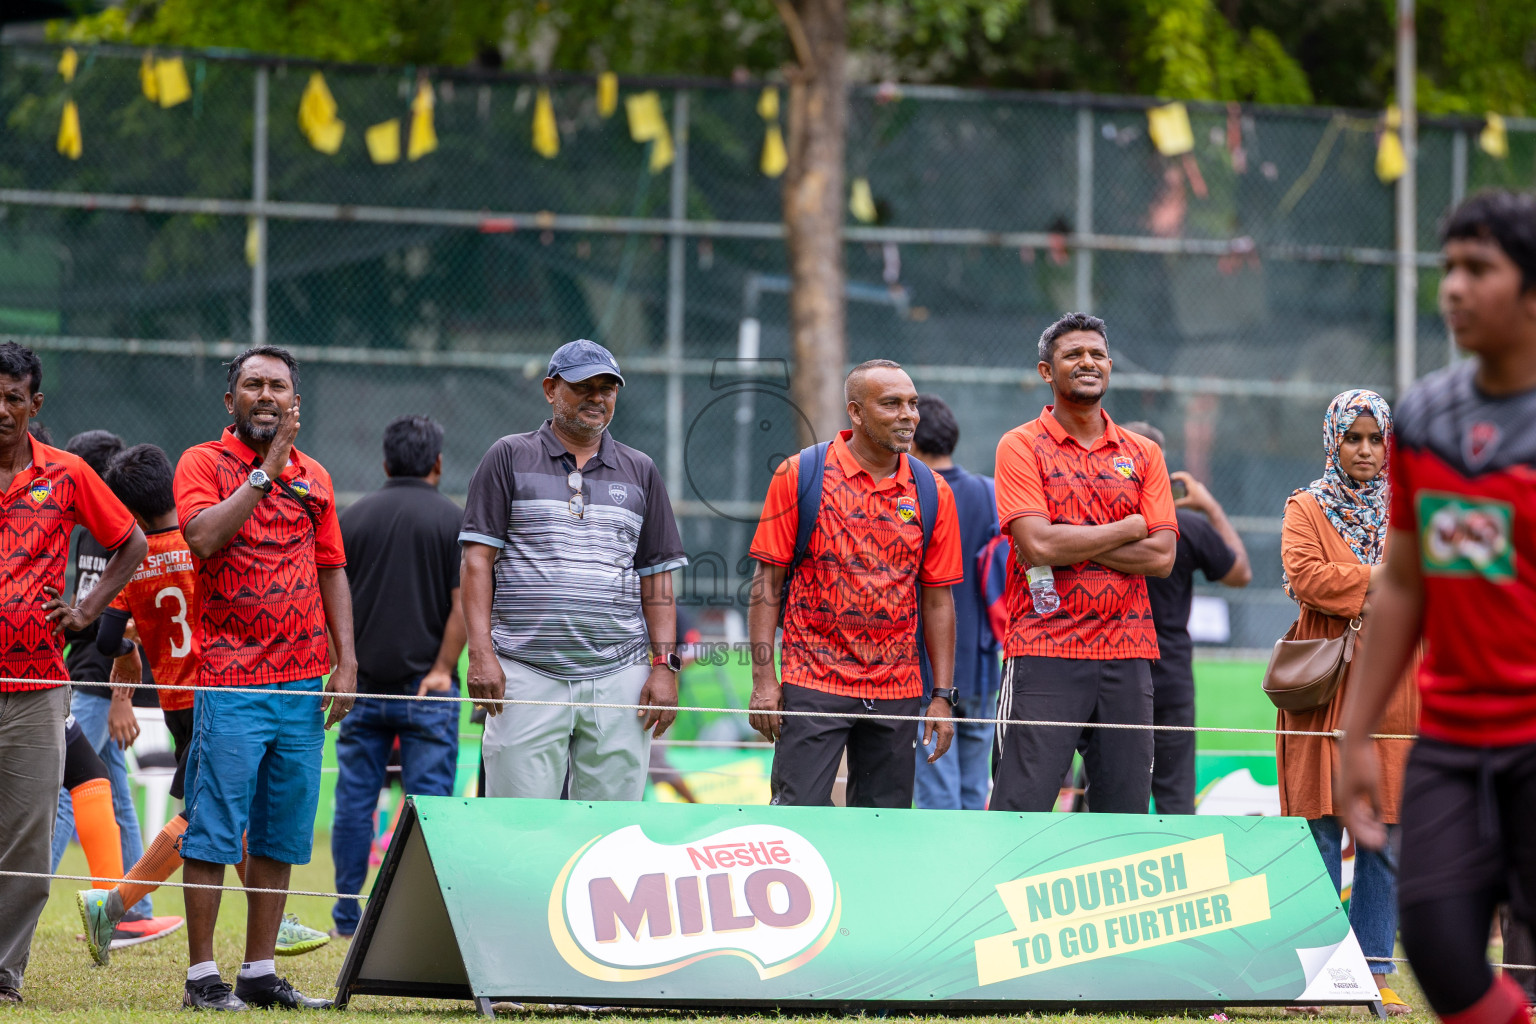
(144,983)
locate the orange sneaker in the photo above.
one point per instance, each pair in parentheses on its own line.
(148,929)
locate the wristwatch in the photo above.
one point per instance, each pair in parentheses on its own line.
(259,480)
(670,659)
(952,695)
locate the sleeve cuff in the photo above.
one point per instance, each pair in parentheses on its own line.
(942,583)
(184,518)
(122,540)
(667,566)
(762,557)
(1020,514)
(1158,527)
(331,565)
(479,538)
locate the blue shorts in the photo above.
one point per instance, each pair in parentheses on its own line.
(254,771)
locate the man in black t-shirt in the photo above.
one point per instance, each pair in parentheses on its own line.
(403,567)
(1208,543)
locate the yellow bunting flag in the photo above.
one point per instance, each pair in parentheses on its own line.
(768,104)
(327,137)
(1170,130)
(171,85)
(645,120)
(661,152)
(607,93)
(1391,161)
(69,60)
(775,159)
(546,136)
(384,141)
(423,136)
(317,116)
(69,131)
(252,242)
(148,83)
(1493,139)
(646,124)
(861,202)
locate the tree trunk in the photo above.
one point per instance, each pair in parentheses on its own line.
(813,212)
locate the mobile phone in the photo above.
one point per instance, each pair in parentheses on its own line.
(1179,490)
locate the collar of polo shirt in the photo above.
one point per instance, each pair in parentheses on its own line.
(556,450)
(852,467)
(247,456)
(1112,433)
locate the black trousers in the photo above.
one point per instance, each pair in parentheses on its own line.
(881,765)
(1468,843)
(1035,758)
(1173,766)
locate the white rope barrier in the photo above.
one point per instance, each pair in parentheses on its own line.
(182,885)
(859,715)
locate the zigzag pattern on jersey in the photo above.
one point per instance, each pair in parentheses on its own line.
(1104,613)
(851,624)
(35,538)
(260,612)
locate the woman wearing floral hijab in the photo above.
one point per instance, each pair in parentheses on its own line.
(1331,548)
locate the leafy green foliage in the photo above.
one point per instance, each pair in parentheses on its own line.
(1475,55)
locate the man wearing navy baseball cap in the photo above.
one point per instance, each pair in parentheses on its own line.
(569,545)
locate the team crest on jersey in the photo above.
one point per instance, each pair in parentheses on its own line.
(39,491)
(301,488)
(906,508)
(1466,535)
(618,492)
(1124,466)
(1479,443)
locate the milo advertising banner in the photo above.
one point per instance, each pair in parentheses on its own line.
(679,905)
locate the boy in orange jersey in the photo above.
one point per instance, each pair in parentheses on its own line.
(160,602)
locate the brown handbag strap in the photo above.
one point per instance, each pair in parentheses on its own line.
(1349,638)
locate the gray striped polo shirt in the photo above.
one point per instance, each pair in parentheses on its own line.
(567,599)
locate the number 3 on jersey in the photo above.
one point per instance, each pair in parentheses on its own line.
(179,648)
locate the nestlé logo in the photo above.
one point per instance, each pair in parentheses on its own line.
(626,908)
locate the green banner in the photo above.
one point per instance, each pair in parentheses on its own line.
(662,904)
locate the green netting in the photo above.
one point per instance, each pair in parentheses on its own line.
(449,310)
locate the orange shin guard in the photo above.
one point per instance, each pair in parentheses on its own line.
(97,825)
(159,862)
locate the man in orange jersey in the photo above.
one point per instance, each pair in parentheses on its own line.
(1089,509)
(44,494)
(874,569)
(158,601)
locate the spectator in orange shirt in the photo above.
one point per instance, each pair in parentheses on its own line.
(1079,494)
(856,597)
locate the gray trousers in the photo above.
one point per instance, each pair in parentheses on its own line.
(528,747)
(31,771)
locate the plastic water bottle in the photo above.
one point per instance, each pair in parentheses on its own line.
(1042,589)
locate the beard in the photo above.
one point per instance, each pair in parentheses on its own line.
(572,423)
(890,444)
(248,430)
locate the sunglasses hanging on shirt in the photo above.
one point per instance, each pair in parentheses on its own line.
(577,504)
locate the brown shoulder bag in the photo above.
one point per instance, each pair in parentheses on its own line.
(1303,675)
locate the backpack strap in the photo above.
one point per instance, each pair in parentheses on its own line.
(928,511)
(813,471)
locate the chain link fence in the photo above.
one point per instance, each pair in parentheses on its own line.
(1244,284)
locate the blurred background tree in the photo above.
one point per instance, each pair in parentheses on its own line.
(1475,55)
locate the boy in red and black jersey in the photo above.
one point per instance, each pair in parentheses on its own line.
(1460,578)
